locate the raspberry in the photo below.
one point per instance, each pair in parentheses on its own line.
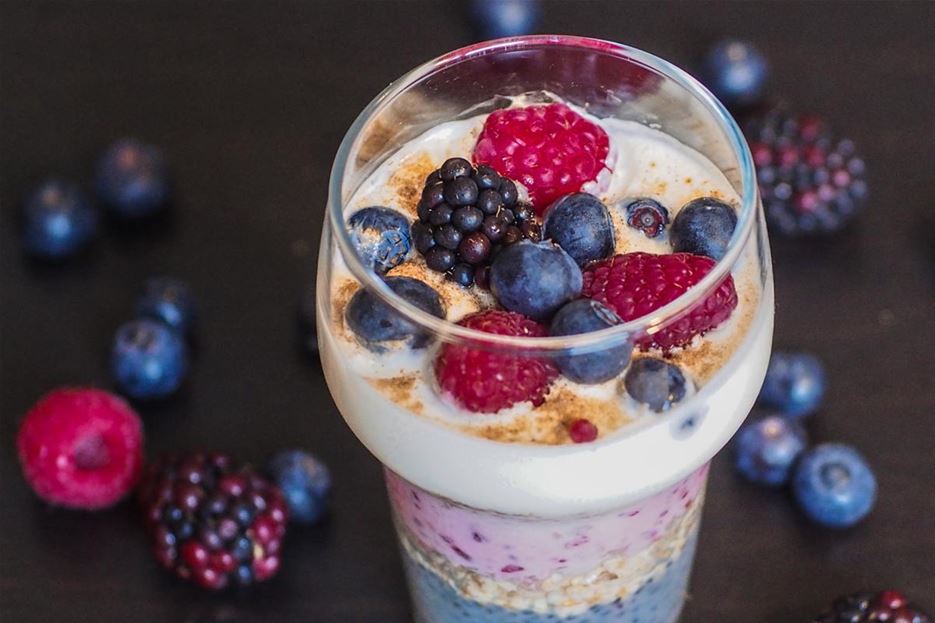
(636,284)
(81,448)
(550,149)
(582,431)
(212,520)
(811,182)
(485,381)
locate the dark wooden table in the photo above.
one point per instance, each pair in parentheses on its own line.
(250,100)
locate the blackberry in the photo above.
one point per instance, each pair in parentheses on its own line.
(811,182)
(212,520)
(466,216)
(867,607)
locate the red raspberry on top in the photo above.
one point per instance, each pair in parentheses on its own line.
(636,284)
(550,149)
(81,448)
(486,381)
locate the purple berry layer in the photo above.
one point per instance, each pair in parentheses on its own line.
(528,550)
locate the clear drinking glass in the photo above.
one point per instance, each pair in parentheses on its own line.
(495,529)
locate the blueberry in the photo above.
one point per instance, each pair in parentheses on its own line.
(132,178)
(534,279)
(504,18)
(704,227)
(765,450)
(58,220)
(795,383)
(375,323)
(648,216)
(834,486)
(654,382)
(305,482)
(580,224)
(381,237)
(735,72)
(148,360)
(585,316)
(168,300)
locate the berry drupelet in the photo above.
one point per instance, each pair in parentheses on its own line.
(466,215)
(866,607)
(212,520)
(810,181)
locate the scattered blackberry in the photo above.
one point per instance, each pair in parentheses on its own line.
(865,607)
(810,181)
(212,520)
(466,215)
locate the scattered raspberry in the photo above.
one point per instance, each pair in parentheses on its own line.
(81,448)
(550,149)
(636,284)
(582,431)
(213,520)
(486,381)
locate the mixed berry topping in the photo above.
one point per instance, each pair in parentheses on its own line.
(466,215)
(380,236)
(377,325)
(868,607)
(648,216)
(834,486)
(703,226)
(811,182)
(636,284)
(794,384)
(585,316)
(655,382)
(534,279)
(550,149)
(580,223)
(58,220)
(765,450)
(487,381)
(81,448)
(212,520)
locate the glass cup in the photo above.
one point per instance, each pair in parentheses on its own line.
(493,527)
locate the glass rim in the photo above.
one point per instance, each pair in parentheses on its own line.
(449,331)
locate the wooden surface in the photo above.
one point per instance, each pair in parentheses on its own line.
(250,100)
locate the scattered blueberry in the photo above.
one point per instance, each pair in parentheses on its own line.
(168,300)
(581,225)
(795,383)
(308,322)
(585,316)
(765,450)
(704,227)
(375,323)
(57,220)
(735,71)
(148,360)
(534,279)
(648,216)
(504,18)
(305,482)
(381,237)
(834,486)
(132,178)
(655,383)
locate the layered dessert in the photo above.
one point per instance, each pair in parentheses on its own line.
(523,480)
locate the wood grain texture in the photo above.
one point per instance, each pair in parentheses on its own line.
(250,100)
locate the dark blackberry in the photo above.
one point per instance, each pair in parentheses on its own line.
(866,607)
(811,182)
(212,520)
(466,215)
